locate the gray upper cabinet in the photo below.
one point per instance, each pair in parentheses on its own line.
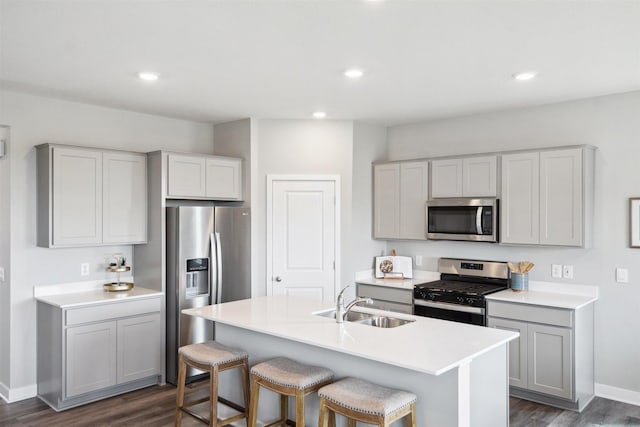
(446,178)
(414,184)
(204,177)
(519,207)
(76,208)
(186,176)
(547,197)
(124,198)
(90,197)
(479,176)
(224,180)
(399,197)
(561,207)
(464,177)
(386,201)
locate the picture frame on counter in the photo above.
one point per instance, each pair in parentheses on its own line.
(634,225)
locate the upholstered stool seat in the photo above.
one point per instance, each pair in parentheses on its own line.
(212,357)
(360,400)
(288,378)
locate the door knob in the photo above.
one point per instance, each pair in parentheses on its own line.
(278,279)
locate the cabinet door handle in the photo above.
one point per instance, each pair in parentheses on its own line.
(278,279)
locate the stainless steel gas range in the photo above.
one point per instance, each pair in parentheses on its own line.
(459,294)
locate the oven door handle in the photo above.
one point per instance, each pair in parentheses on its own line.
(479,219)
(447,306)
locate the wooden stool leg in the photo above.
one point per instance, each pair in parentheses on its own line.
(182,374)
(284,409)
(332,419)
(322,416)
(253,405)
(351,423)
(213,397)
(411,417)
(244,375)
(300,408)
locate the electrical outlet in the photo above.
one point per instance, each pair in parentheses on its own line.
(567,271)
(556,271)
(622,275)
(1,274)
(418,259)
(84,269)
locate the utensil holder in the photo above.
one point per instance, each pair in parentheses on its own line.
(519,281)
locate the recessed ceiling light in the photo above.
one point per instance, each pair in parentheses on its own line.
(148,76)
(524,76)
(354,73)
(319,114)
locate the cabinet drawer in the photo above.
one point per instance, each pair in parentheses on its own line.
(76,316)
(531,313)
(402,296)
(393,306)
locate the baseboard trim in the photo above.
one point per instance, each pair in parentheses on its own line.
(4,392)
(618,394)
(11,395)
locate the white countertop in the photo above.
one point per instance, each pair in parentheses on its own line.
(419,278)
(427,345)
(547,299)
(548,294)
(95,296)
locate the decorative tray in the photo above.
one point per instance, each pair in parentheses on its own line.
(121,269)
(117,287)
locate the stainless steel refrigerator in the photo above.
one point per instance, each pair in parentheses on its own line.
(208,262)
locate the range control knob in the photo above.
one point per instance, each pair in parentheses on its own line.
(460,299)
(470,301)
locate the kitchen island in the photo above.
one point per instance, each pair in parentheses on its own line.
(459,372)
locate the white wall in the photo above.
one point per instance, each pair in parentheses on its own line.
(5,258)
(234,139)
(35,120)
(612,124)
(302,147)
(369,145)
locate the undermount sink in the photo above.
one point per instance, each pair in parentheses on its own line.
(385,322)
(368,319)
(352,316)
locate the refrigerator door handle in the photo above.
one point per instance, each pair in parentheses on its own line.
(213,288)
(218,267)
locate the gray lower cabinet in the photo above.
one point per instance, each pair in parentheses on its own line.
(91,352)
(552,360)
(91,358)
(387,298)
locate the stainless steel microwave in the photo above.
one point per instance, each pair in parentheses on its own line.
(463,219)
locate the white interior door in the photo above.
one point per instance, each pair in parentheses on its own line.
(303,238)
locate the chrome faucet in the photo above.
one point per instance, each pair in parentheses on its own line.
(341,310)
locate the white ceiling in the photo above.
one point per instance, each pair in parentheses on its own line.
(221,60)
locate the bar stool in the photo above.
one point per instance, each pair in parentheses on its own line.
(366,402)
(212,357)
(288,378)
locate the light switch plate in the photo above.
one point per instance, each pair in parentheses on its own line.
(1,274)
(556,271)
(567,271)
(622,275)
(84,269)
(418,259)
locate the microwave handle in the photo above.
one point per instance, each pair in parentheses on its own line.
(479,219)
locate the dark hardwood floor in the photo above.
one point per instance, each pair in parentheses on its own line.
(154,406)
